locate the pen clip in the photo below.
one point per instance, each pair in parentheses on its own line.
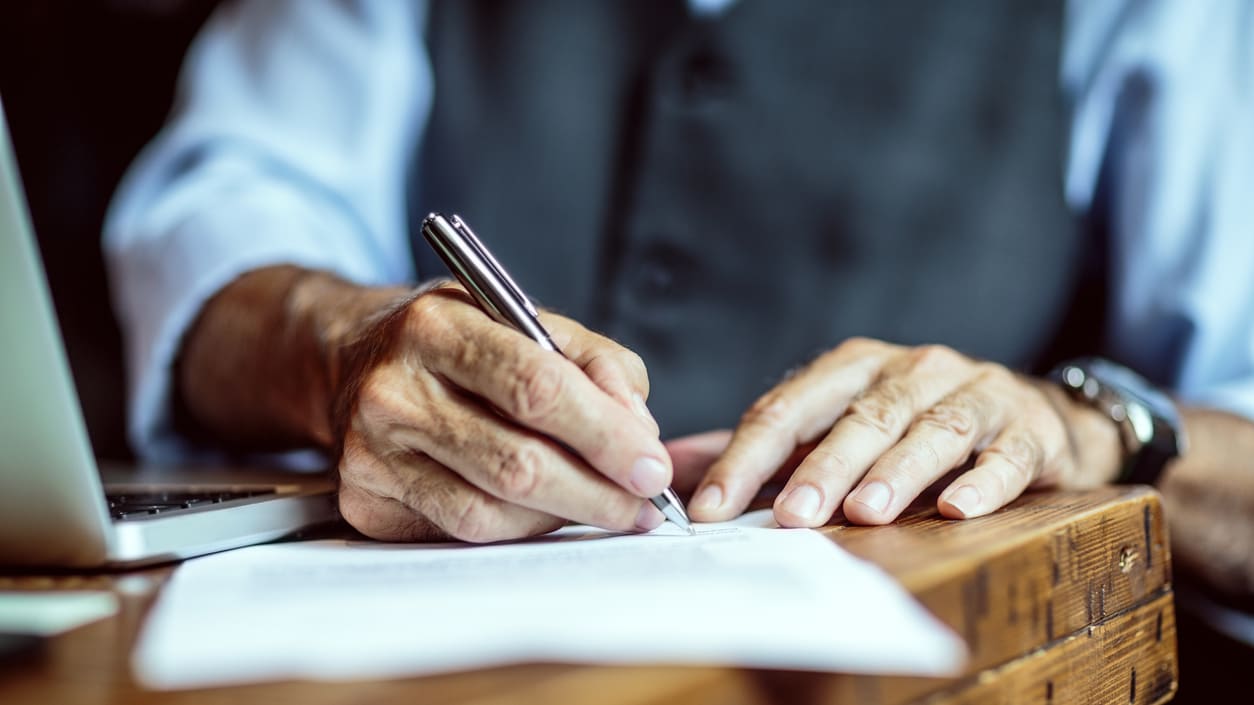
(484,278)
(497,270)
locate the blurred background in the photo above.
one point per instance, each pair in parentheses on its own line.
(85,84)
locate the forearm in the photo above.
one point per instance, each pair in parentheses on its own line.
(259,366)
(1208,493)
(1209,496)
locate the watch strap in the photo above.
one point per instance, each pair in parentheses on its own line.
(1144,467)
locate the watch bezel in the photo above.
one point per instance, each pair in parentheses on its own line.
(1149,423)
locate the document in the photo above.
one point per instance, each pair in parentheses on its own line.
(739,593)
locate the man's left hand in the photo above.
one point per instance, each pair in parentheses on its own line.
(886,421)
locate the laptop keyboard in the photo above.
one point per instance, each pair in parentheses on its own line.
(133,505)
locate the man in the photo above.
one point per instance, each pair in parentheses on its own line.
(726,188)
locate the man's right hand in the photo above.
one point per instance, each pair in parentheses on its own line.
(449,423)
(460,426)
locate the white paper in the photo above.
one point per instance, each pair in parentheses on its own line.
(736,593)
(53,612)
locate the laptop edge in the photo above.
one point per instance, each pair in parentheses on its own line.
(52,500)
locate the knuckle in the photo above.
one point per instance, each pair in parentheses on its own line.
(934,357)
(875,414)
(957,417)
(929,458)
(619,367)
(383,407)
(996,376)
(880,410)
(360,517)
(1021,453)
(353,511)
(913,462)
(828,463)
(426,314)
(858,344)
(634,364)
(518,473)
(369,515)
(473,519)
(466,354)
(354,451)
(537,390)
(375,400)
(385,398)
(355,461)
(773,411)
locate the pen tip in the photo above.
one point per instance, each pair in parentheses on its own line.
(692,530)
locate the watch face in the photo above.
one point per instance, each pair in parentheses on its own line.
(1148,422)
(1129,384)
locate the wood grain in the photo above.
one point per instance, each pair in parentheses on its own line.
(1065,589)
(1128,658)
(1047,567)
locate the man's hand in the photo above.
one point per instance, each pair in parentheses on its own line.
(460,426)
(884,422)
(448,423)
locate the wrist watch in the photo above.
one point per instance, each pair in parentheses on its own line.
(1149,423)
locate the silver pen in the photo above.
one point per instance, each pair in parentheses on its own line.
(497,294)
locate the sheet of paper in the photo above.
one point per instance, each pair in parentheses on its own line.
(54,612)
(736,593)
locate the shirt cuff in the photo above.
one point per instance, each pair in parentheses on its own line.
(162,282)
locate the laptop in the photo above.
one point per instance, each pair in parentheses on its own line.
(55,509)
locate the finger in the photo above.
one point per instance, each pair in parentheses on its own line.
(545,392)
(607,374)
(520,468)
(941,438)
(409,497)
(384,518)
(692,455)
(622,371)
(376,515)
(793,413)
(1018,457)
(871,424)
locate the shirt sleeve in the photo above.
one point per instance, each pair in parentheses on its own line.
(295,126)
(1162,142)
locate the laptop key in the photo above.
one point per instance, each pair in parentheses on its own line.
(126,509)
(144,504)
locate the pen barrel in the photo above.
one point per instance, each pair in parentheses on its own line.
(482,276)
(668,503)
(497,294)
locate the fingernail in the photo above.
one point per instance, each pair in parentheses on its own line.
(875,495)
(648,477)
(649,518)
(803,502)
(642,409)
(965,499)
(708,499)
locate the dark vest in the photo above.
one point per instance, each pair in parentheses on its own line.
(729,197)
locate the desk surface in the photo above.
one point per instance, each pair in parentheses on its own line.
(1061,597)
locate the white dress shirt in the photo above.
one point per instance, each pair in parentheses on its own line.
(298,120)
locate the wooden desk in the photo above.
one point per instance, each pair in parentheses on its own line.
(1062,598)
